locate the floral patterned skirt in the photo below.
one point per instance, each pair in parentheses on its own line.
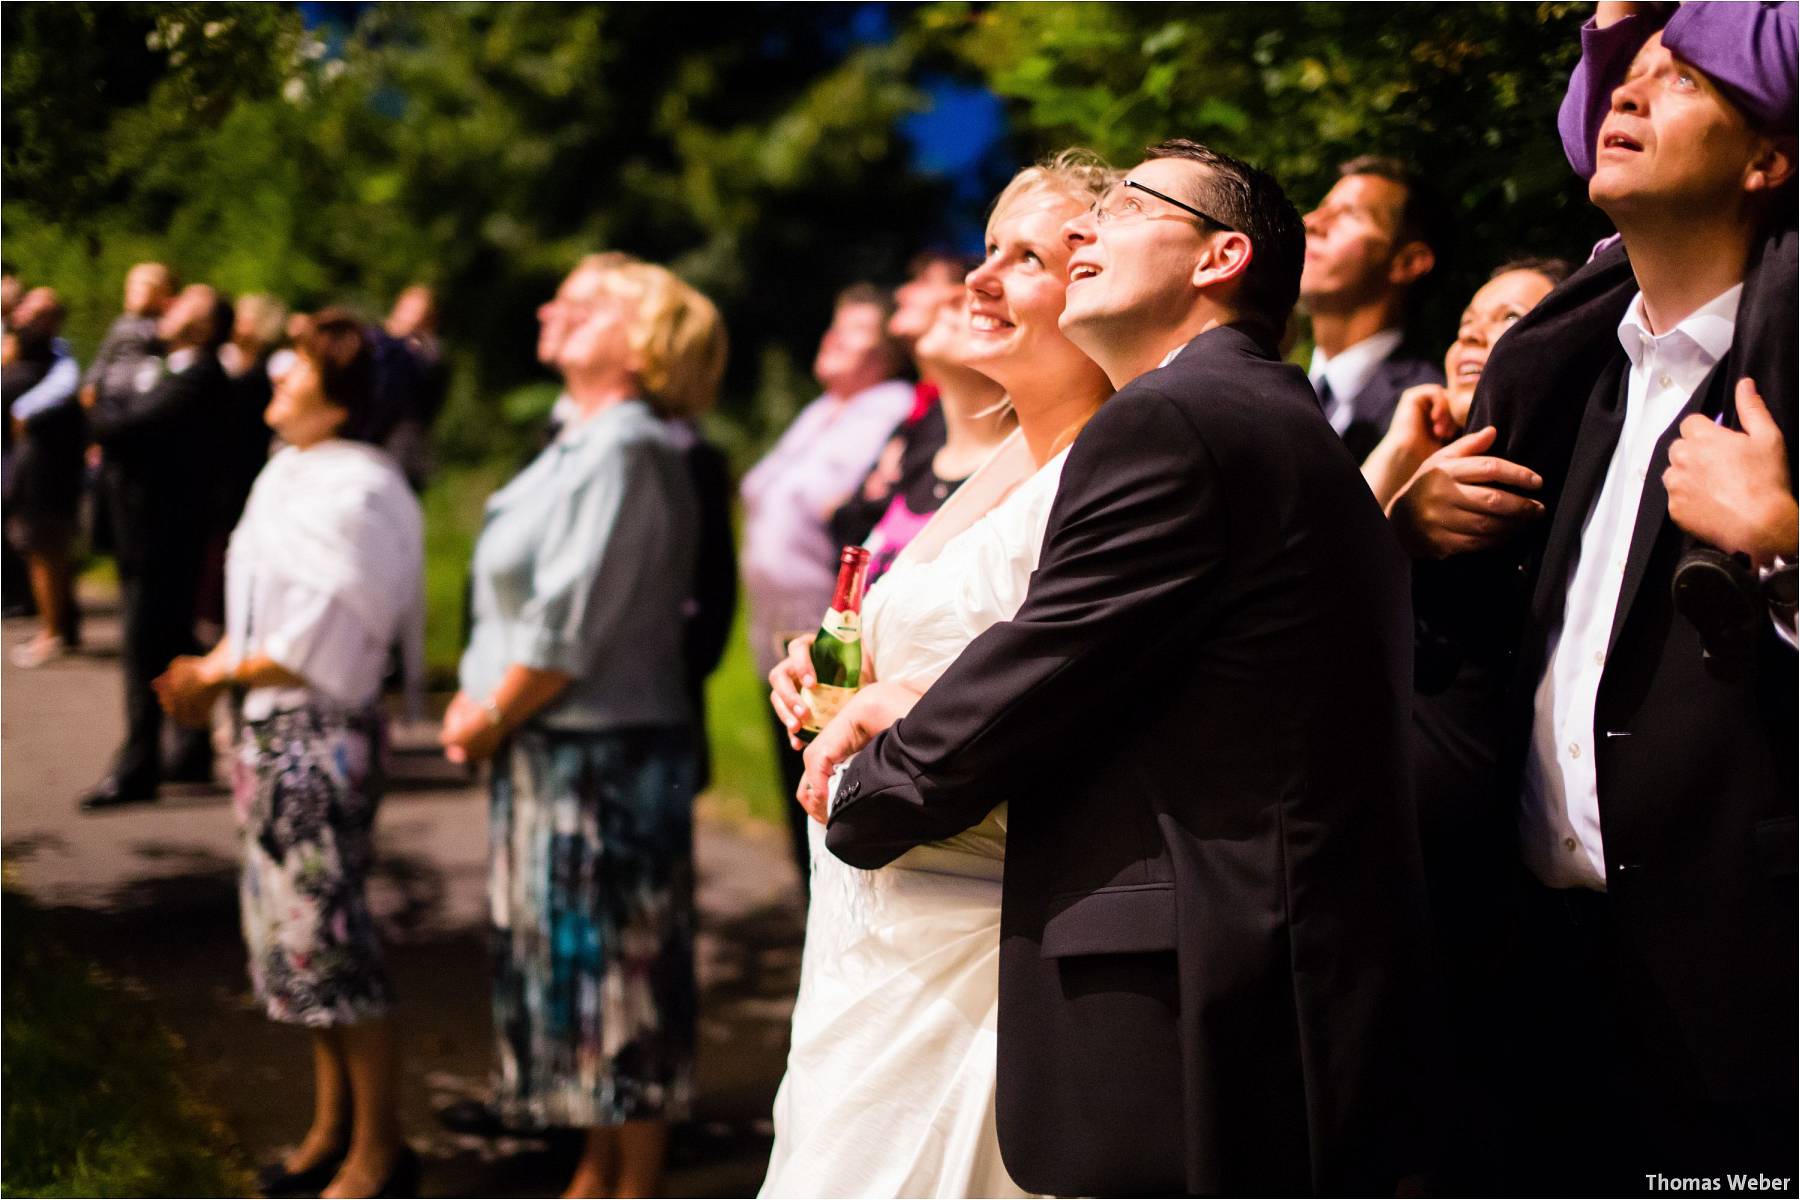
(306,782)
(591,885)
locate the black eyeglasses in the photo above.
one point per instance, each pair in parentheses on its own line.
(1103,213)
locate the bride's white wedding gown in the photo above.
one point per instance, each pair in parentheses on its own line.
(890,1079)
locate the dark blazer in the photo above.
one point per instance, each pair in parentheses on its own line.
(1212,912)
(1695,762)
(1374,405)
(46,473)
(162,450)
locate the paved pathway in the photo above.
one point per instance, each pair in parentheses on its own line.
(151,893)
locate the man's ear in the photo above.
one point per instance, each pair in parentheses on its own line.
(1773,165)
(1227,256)
(1412,261)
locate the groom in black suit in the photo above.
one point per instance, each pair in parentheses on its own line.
(1212,920)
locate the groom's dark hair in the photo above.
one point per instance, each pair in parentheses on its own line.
(1250,201)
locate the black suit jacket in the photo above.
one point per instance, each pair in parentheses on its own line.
(1212,906)
(1374,405)
(1695,763)
(163,459)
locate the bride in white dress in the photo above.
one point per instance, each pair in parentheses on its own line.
(890,1082)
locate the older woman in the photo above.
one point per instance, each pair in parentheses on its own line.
(890,1081)
(323,575)
(1431,416)
(574,683)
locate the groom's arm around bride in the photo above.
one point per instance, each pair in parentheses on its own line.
(1212,924)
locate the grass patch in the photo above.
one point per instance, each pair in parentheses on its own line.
(96,1098)
(737,727)
(452,504)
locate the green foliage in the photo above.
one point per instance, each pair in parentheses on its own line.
(479,147)
(1467,92)
(96,1099)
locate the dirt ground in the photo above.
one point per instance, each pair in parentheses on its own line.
(151,894)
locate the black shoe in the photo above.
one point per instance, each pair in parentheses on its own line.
(471,1117)
(274,1179)
(111,792)
(194,771)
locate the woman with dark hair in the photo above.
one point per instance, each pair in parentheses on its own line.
(1431,416)
(323,574)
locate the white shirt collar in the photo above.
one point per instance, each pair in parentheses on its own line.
(1707,331)
(1348,370)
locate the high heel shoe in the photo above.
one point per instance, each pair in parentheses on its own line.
(275,1180)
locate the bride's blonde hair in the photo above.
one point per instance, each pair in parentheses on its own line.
(1078,174)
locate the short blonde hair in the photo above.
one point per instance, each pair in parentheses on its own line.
(675,329)
(1077,173)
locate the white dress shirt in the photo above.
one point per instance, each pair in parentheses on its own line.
(1560,816)
(1348,373)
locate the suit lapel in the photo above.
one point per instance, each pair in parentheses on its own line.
(1653,508)
(1594,445)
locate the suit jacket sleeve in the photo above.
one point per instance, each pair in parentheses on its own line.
(172,401)
(1134,538)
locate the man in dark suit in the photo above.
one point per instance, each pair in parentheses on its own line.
(159,471)
(1369,244)
(1212,912)
(1648,743)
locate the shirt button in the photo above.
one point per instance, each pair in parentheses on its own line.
(1599,658)
(1574,749)
(1666,381)
(1570,843)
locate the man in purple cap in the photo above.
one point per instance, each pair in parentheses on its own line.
(1642,422)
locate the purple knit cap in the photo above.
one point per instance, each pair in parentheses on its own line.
(1749,50)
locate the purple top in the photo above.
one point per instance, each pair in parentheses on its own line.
(1748,49)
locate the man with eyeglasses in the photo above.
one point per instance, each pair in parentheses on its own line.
(1212,916)
(1369,245)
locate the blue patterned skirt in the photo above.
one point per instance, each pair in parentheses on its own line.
(306,783)
(591,888)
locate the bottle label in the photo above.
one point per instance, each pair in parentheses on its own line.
(846,627)
(823,702)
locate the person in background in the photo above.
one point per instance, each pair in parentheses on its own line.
(160,442)
(1430,416)
(976,417)
(933,277)
(244,436)
(420,379)
(326,571)
(574,684)
(789,557)
(1377,234)
(1463,836)
(15,581)
(112,378)
(43,490)
(1638,425)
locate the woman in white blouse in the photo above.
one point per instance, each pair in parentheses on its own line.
(890,1082)
(324,574)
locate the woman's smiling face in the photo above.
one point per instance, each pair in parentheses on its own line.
(1016,294)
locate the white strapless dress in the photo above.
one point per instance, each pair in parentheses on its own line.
(890,1079)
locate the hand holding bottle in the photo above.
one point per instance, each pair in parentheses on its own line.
(786,680)
(871,710)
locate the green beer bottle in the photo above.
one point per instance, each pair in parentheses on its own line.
(837,651)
